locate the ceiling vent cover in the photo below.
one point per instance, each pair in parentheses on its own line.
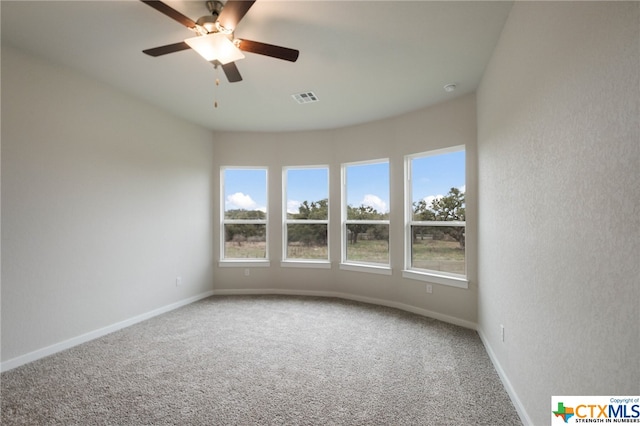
(305,98)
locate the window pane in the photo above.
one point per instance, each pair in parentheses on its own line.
(307,241)
(245,193)
(245,241)
(368,243)
(438,187)
(367,199)
(439,248)
(308,193)
(367,186)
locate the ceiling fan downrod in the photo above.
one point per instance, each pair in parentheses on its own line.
(215,7)
(210,22)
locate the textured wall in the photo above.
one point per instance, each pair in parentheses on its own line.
(448,124)
(559,194)
(104,202)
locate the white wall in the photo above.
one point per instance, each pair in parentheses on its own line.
(559,194)
(105,200)
(448,124)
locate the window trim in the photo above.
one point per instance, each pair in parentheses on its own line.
(297,262)
(305,263)
(354,265)
(442,278)
(241,263)
(250,261)
(429,275)
(372,268)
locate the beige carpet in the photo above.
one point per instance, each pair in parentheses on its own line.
(266,360)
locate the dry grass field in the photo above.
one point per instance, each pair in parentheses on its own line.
(438,255)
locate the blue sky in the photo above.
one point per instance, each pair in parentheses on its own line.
(245,189)
(306,184)
(366,183)
(434,176)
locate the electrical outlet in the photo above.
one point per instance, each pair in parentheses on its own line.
(429,288)
(178,281)
(247,272)
(502,332)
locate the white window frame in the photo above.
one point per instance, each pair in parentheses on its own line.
(248,262)
(304,263)
(437,277)
(360,266)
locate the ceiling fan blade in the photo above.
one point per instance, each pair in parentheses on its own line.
(170,12)
(169,48)
(269,50)
(233,11)
(231,71)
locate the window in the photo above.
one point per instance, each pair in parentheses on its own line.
(435,215)
(244,216)
(306,213)
(365,214)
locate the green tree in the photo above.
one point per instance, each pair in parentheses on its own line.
(313,233)
(366,213)
(318,210)
(241,232)
(449,208)
(422,211)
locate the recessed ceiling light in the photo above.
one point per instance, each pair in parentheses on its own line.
(305,98)
(450,87)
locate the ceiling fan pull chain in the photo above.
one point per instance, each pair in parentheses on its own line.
(215,90)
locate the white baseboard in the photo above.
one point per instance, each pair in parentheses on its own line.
(391,304)
(524,417)
(74,341)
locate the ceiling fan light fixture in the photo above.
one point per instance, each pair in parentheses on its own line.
(215,47)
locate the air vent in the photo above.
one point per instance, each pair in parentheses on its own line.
(305,98)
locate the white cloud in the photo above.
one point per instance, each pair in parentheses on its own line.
(375,202)
(241,201)
(293,206)
(463,188)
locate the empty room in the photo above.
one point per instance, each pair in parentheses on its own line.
(320,212)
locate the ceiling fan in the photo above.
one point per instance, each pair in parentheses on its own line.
(215,40)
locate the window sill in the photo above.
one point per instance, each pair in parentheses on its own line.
(322,264)
(370,268)
(452,281)
(240,263)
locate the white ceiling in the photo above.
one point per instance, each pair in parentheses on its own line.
(365,60)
